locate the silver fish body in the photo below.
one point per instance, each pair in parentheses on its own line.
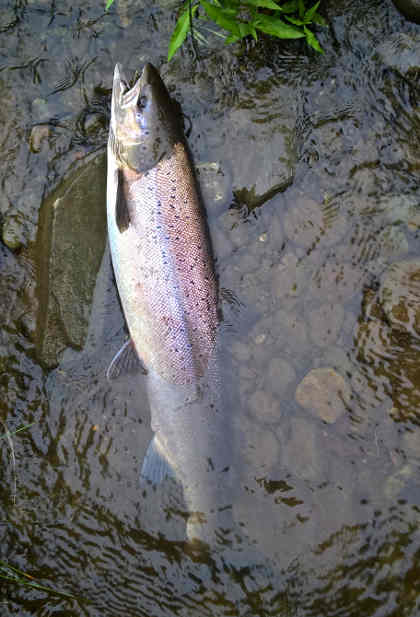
(165,277)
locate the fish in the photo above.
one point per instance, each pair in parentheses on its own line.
(164,271)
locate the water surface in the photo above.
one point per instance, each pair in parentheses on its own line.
(309,166)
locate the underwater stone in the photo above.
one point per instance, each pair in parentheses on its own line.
(259,446)
(39,133)
(310,224)
(399,295)
(302,449)
(214,186)
(401,52)
(409,8)
(324,393)
(398,481)
(13,234)
(265,407)
(279,376)
(325,323)
(70,243)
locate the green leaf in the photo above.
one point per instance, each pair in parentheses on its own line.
(180,31)
(232,38)
(245,29)
(222,17)
(18,430)
(301,6)
(108,4)
(265,4)
(319,20)
(311,12)
(312,40)
(294,20)
(277,27)
(290,7)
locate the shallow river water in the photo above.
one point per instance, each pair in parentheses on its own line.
(309,167)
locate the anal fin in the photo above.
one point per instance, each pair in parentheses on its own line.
(156,466)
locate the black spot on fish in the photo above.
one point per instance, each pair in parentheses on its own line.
(122,215)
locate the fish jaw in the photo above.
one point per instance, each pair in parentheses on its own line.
(144,122)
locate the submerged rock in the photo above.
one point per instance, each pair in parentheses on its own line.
(289,277)
(302,450)
(402,209)
(39,133)
(260,449)
(388,354)
(311,224)
(409,8)
(265,407)
(325,323)
(261,172)
(13,233)
(336,282)
(70,244)
(396,483)
(324,393)
(401,51)
(214,185)
(280,375)
(399,295)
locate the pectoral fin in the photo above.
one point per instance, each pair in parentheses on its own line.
(126,360)
(122,214)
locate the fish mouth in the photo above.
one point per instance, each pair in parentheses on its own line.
(128,91)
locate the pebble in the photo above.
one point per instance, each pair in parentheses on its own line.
(324,393)
(39,133)
(214,186)
(265,407)
(309,224)
(397,482)
(289,277)
(13,233)
(336,282)
(291,331)
(240,351)
(280,376)
(236,227)
(325,323)
(302,451)
(259,446)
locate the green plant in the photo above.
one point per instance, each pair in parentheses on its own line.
(8,572)
(13,575)
(8,434)
(242,18)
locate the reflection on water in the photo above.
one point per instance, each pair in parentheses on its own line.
(317,236)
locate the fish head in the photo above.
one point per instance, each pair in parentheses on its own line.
(145,124)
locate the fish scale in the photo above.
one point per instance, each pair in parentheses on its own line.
(173,280)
